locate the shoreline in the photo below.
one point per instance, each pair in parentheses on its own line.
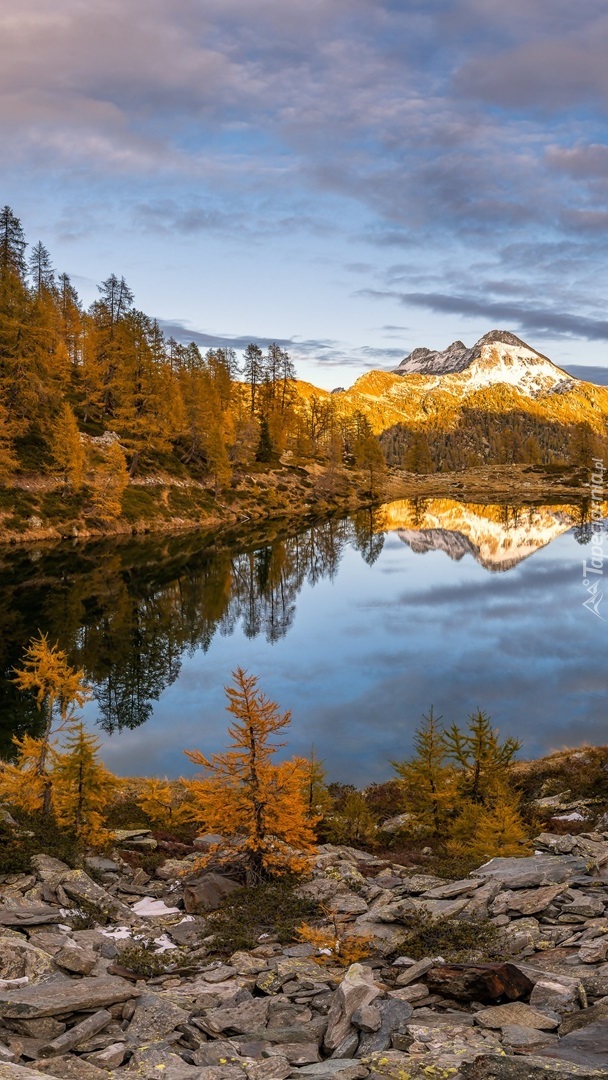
(295,493)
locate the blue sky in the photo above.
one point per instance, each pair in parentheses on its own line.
(355,177)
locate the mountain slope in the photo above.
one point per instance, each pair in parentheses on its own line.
(499,374)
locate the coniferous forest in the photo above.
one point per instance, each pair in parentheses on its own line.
(98,397)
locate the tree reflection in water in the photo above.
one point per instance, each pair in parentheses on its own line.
(127,612)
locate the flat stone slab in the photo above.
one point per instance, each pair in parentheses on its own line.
(55,997)
(526,1068)
(535,870)
(515,1012)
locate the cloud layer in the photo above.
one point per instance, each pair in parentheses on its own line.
(464,138)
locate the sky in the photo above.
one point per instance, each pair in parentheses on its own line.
(352,178)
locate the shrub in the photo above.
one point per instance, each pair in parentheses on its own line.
(139,957)
(273,907)
(456,940)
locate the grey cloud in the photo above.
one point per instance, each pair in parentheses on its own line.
(588,373)
(516,315)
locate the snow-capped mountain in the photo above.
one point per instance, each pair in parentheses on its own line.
(498,357)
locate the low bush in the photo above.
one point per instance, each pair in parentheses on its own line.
(456,940)
(273,907)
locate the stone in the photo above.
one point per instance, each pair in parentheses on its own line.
(585,1046)
(416,971)
(443,909)
(479,982)
(240,1019)
(82,889)
(395,1015)
(246,964)
(515,1012)
(367,1018)
(20,959)
(356,989)
(46,1027)
(525,1038)
(76,1035)
(59,996)
(525,1068)
(207,840)
(77,960)
(529,901)
(300,1053)
(583,1017)
(594,952)
(99,865)
(69,1067)
(30,915)
(17,1072)
(154,1017)
(560,994)
(414,993)
(111,1057)
(207,892)
(327,1070)
(219,973)
(452,889)
(534,870)
(156,1060)
(188,932)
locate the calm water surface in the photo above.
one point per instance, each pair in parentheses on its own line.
(356,625)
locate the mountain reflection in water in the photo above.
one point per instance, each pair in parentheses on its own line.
(161,618)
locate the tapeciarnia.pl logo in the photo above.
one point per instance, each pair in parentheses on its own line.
(593,570)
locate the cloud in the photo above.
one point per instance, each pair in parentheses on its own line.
(588,373)
(513,314)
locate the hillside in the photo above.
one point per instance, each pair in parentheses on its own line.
(500,374)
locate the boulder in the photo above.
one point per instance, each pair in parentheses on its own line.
(394,1015)
(478,982)
(154,1018)
(515,1013)
(528,873)
(587,1046)
(356,990)
(526,1068)
(19,958)
(207,892)
(59,996)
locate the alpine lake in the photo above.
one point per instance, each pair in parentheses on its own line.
(357,625)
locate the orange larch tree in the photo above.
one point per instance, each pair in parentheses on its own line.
(258,805)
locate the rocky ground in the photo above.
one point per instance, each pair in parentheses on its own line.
(72,1008)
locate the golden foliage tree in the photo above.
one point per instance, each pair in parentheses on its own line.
(59,689)
(26,783)
(111,480)
(428,781)
(484,832)
(82,787)
(257,804)
(481,759)
(160,802)
(68,449)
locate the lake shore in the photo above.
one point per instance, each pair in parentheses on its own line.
(34,509)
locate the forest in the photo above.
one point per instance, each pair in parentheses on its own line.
(98,396)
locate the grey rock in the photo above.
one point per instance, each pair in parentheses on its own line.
(59,996)
(416,971)
(77,960)
(587,1046)
(19,958)
(452,889)
(327,1070)
(356,989)
(584,1017)
(207,892)
(81,888)
(111,1057)
(533,871)
(559,993)
(515,1012)
(154,1017)
(367,1018)
(526,1068)
(395,1015)
(525,1038)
